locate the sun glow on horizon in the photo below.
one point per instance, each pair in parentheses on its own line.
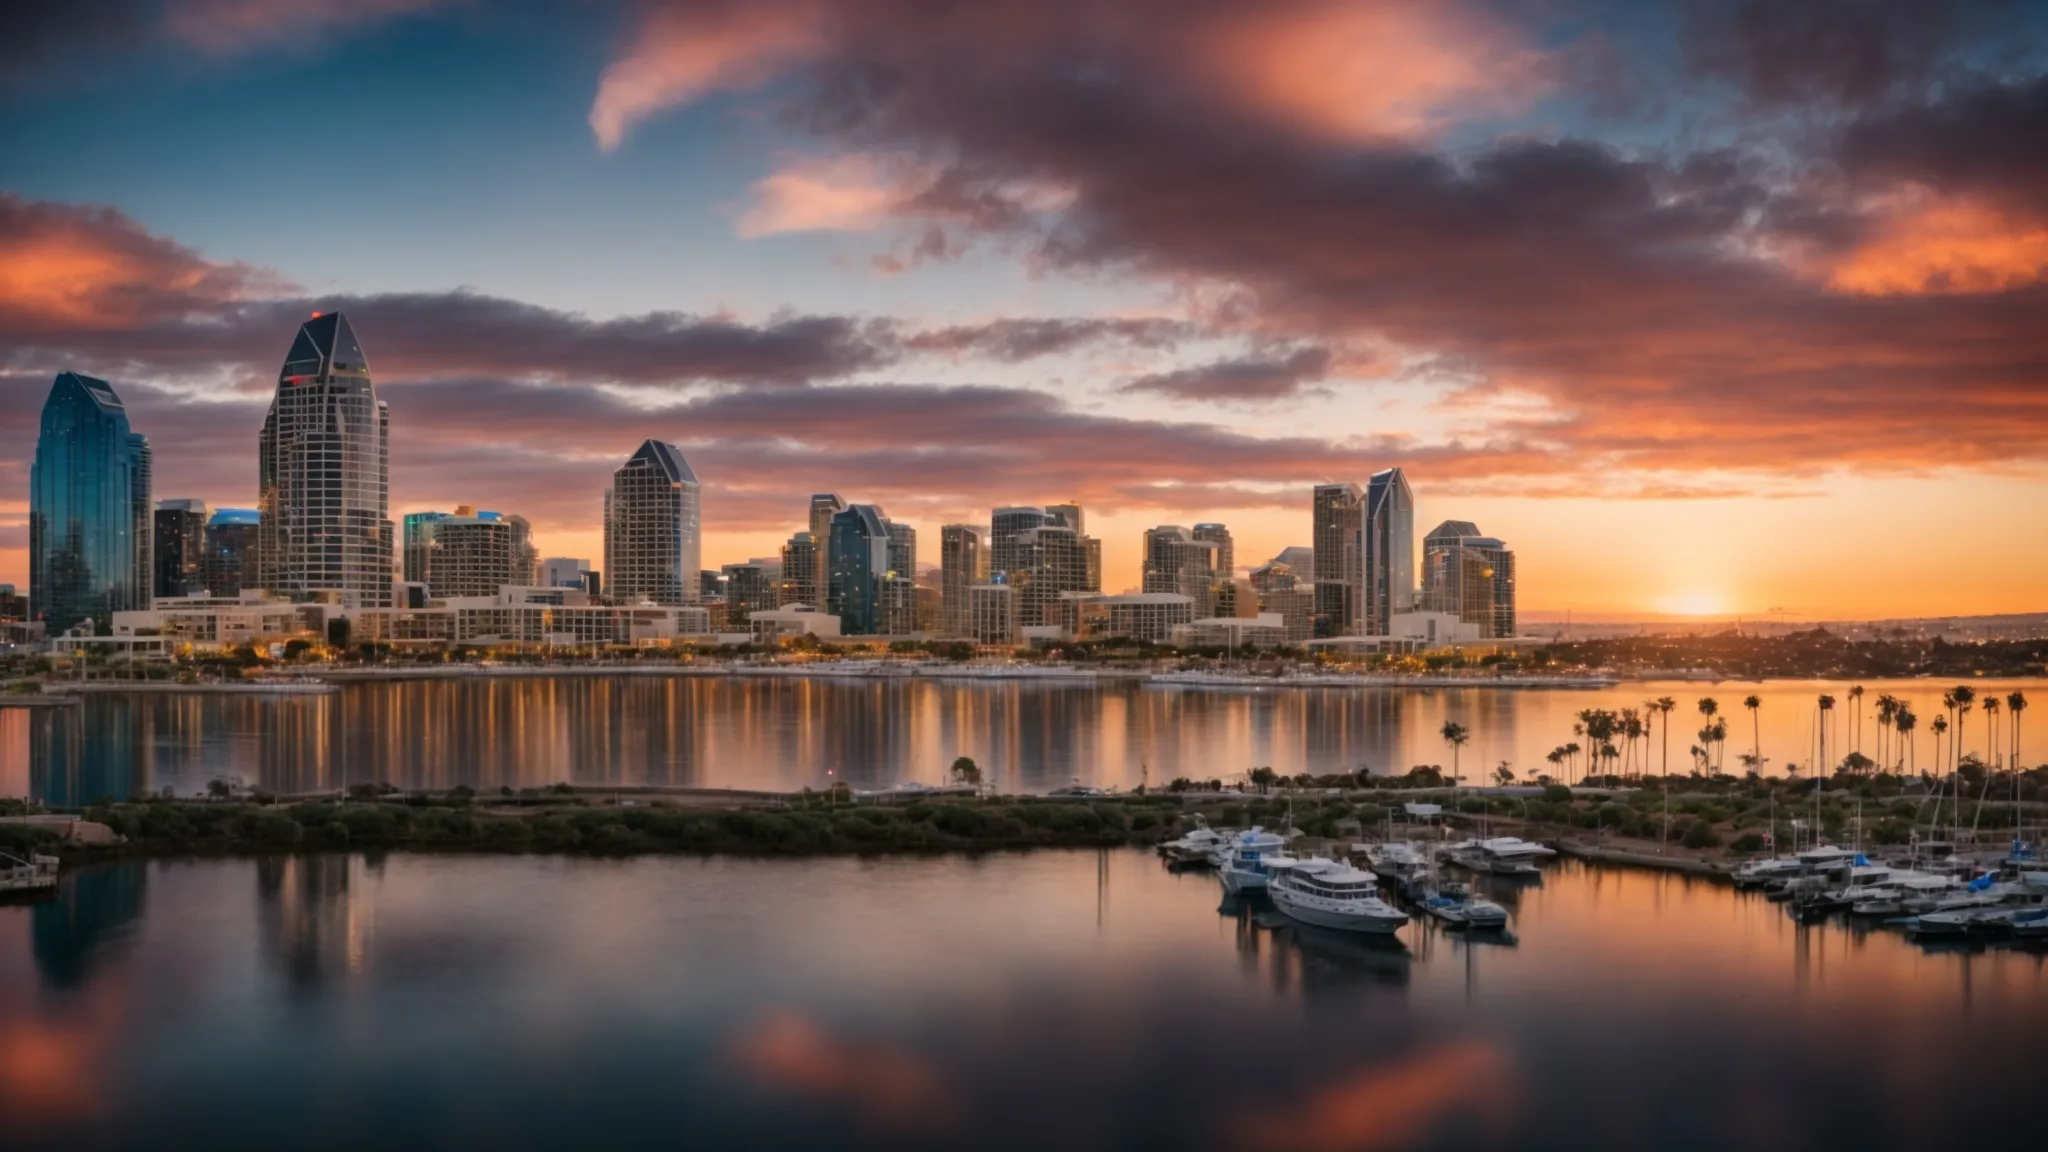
(1695,604)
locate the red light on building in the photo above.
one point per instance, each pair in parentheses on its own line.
(316,315)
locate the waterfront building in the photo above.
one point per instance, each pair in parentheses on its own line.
(1054,560)
(902,548)
(89,509)
(710,585)
(963,563)
(1295,605)
(792,621)
(178,539)
(1336,516)
(930,605)
(991,613)
(899,605)
(232,537)
(824,506)
(1177,561)
(1387,550)
(559,617)
(749,588)
(205,621)
(1006,525)
(1265,630)
(859,548)
(324,474)
(1147,615)
(800,572)
(475,553)
(651,528)
(1469,576)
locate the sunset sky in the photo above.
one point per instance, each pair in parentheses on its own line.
(1703,307)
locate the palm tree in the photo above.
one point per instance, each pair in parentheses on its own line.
(1631,731)
(1709,708)
(1905,720)
(1827,708)
(2014,705)
(1856,710)
(1939,726)
(1556,757)
(1455,734)
(1571,752)
(1887,711)
(1756,731)
(1664,705)
(1991,729)
(1966,699)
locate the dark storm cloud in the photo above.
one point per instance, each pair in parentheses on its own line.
(1243,378)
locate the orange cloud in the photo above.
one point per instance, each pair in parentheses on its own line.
(1355,70)
(681,55)
(838,194)
(789,1051)
(85,268)
(1384,1107)
(1932,244)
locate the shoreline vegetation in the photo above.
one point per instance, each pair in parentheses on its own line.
(1817,654)
(1696,823)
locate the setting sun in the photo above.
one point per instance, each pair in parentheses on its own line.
(1697,604)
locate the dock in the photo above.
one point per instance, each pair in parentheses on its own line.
(1599,854)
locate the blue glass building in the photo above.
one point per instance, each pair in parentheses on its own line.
(89,509)
(858,560)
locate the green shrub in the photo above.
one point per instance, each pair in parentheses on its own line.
(1701,835)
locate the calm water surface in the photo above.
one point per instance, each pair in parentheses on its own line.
(1070,1000)
(740,732)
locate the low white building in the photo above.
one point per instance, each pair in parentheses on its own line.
(522,614)
(791,621)
(1147,615)
(225,621)
(992,613)
(1266,630)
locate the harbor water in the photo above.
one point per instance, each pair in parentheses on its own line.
(1057,999)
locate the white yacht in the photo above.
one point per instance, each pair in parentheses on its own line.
(1192,848)
(1500,855)
(1328,894)
(1244,864)
(1758,873)
(1403,862)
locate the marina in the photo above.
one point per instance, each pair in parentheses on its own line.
(1015,1001)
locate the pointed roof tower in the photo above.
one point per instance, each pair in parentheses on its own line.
(325,345)
(668,458)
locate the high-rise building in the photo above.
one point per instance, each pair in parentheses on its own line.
(1300,557)
(324,473)
(1055,560)
(992,614)
(800,572)
(1387,551)
(1336,517)
(902,549)
(1177,562)
(1469,576)
(963,563)
(859,547)
(824,506)
(899,605)
(749,588)
(474,553)
(233,536)
(13,605)
(89,510)
(710,585)
(651,528)
(178,539)
(1226,549)
(416,543)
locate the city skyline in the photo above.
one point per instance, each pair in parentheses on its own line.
(1583,278)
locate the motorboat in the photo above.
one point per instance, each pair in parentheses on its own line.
(1192,848)
(1244,868)
(1501,856)
(1758,873)
(1402,863)
(1456,905)
(1329,894)
(1904,890)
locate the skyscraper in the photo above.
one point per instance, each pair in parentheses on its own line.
(1387,552)
(800,572)
(902,548)
(860,567)
(1054,560)
(1226,549)
(963,563)
(1336,519)
(89,509)
(749,588)
(824,506)
(1469,576)
(324,473)
(417,544)
(233,536)
(178,539)
(1177,562)
(1005,526)
(474,553)
(651,528)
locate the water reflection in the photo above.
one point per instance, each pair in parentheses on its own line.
(787,734)
(1063,999)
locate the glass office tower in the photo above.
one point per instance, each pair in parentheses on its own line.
(89,509)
